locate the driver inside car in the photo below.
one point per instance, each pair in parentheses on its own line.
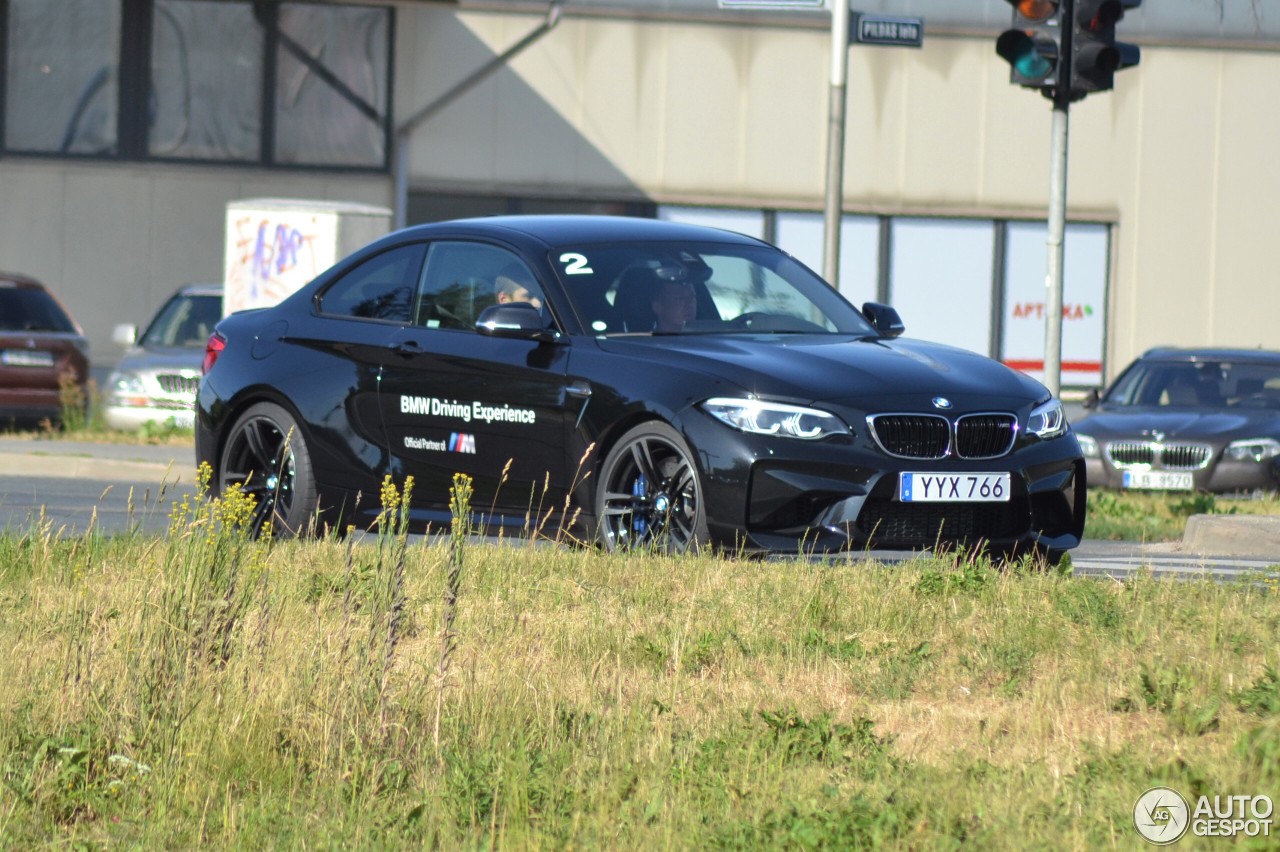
(674,304)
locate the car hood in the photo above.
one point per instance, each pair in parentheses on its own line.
(827,368)
(161,359)
(1143,422)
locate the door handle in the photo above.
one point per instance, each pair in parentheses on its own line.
(407,348)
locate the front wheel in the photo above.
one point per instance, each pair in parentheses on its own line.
(267,456)
(650,494)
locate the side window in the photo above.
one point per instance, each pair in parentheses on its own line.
(381,288)
(462,279)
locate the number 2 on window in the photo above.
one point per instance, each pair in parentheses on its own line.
(575,264)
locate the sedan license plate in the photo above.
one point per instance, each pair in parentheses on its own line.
(26,358)
(1157,480)
(953,487)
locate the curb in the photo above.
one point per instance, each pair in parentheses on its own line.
(1234,535)
(78,467)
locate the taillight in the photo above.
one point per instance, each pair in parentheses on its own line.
(212,350)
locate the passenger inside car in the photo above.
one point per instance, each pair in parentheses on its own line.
(515,284)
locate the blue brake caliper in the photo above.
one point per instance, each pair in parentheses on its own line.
(639,521)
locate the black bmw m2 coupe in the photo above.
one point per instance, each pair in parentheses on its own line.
(655,384)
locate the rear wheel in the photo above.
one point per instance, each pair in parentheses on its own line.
(649,494)
(268,458)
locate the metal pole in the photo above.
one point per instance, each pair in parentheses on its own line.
(834,207)
(1057,236)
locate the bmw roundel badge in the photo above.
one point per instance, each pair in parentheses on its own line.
(941,402)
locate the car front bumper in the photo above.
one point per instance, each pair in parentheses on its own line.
(1220,476)
(129,418)
(840,493)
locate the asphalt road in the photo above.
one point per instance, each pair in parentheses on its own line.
(73,486)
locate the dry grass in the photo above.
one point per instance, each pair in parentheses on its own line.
(627,701)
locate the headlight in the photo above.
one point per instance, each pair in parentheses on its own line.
(773,418)
(1256,449)
(127,389)
(1047,420)
(127,384)
(1088,446)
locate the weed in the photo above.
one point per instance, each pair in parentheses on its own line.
(203,591)
(1260,749)
(822,740)
(1089,604)
(1263,697)
(161,432)
(73,402)
(648,652)
(856,823)
(967,576)
(1169,689)
(844,648)
(1199,503)
(460,509)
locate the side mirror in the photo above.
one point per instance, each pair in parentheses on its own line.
(125,334)
(883,318)
(1092,399)
(520,320)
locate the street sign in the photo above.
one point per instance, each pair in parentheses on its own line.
(888,30)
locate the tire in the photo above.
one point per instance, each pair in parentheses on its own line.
(267,456)
(649,495)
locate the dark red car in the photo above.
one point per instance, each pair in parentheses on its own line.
(39,345)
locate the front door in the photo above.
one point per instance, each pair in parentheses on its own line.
(455,401)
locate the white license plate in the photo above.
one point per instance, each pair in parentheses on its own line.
(953,487)
(26,358)
(1159,480)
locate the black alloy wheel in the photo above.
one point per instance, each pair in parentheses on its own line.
(650,495)
(265,455)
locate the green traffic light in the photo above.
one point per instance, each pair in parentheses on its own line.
(1031,59)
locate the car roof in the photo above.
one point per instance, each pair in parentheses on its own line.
(199,290)
(579,229)
(15,280)
(1192,355)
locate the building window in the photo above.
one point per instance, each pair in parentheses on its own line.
(1086,250)
(206,82)
(61,89)
(332,85)
(940,279)
(802,234)
(275,84)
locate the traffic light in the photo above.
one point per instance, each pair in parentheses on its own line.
(1034,46)
(1095,54)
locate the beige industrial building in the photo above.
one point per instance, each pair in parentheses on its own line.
(129,126)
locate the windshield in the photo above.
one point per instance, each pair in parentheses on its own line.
(185,320)
(26,309)
(685,288)
(1201,384)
